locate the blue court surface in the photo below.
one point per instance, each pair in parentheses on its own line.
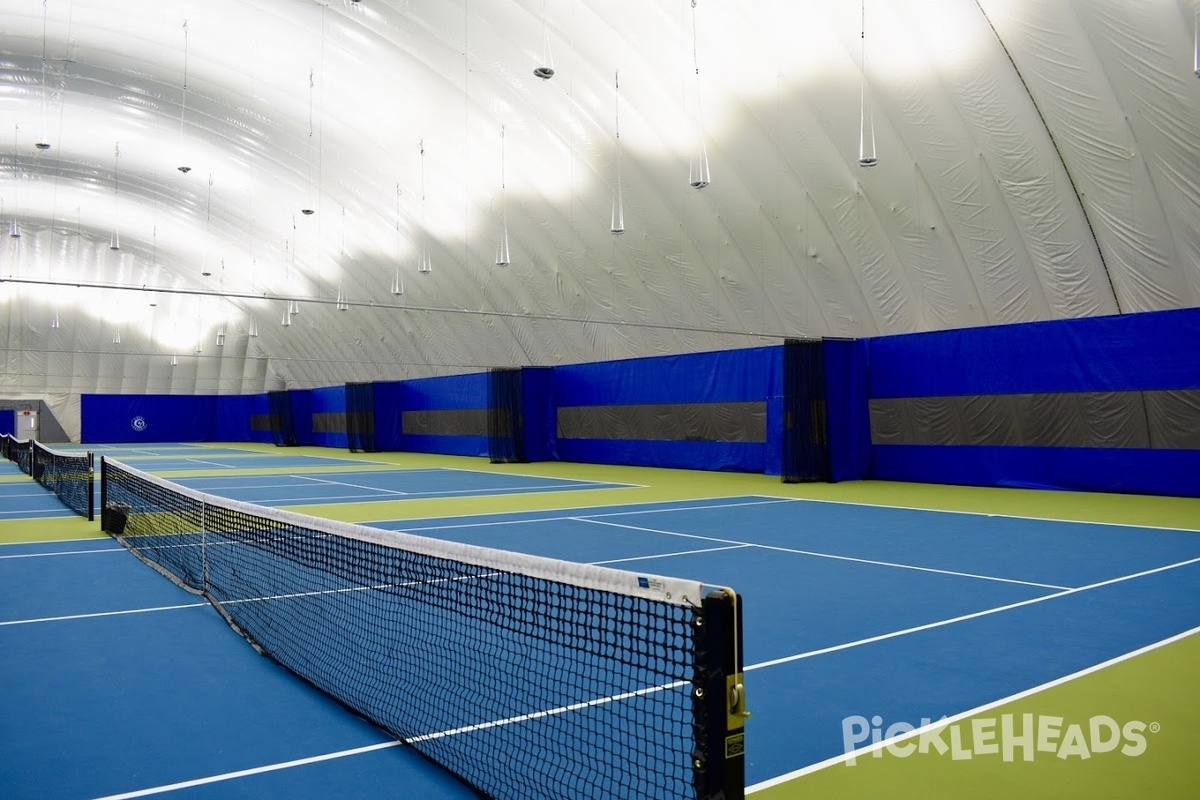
(118,684)
(366,486)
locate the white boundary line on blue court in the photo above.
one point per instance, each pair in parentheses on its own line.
(52,553)
(947,721)
(860,504)
(245,773)
(816,554)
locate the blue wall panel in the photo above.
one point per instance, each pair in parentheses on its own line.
(8,421)
(1136,351)
(750,375)
(451,392)
(147,418)
(329,400)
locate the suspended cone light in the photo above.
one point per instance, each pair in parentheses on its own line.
(252,331)
(617,227)
(43,143)
(342,303)
(14,230)
(503,258)
(221,335)
(56,323)
(424,261)
(866,123)
(698,174)
(545,68)
(287,320)
(293,308)
(398,280)
(116,335)
(398,285)
(174,360)
(184,168)
(308,210)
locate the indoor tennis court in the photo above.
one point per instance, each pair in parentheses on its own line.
(591,399)
(905,613)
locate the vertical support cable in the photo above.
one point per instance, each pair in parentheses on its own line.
(617,227)
(866,123)
(698,172)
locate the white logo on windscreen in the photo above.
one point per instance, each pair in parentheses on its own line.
(138,423)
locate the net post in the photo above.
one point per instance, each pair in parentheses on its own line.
(103,498)
(719,700)
(91,486)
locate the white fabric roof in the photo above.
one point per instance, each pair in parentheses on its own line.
(1038,159)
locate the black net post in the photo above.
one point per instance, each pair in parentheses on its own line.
(719,700)
(805,425)
(505,424)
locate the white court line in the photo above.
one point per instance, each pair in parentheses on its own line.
(943,723)
(67,617)
(245,773)
(572,514)
(49,512)
(832,556)
(65,553)
(56,541)
(346,484)
(209,463)
(964,617)
(665,687)
(981,514)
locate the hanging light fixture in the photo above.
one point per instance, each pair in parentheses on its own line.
(424,262)
(503,258)
(44,142)
(183,167)
(221,335)
(56,323)
(174,360)
(308,210)
(114,242)
(252,331)
(287,319)
(342,303)
(116,336)
(1196,41)
(698,174)
(398,279)
(545,67)
(866,123)
(617,226)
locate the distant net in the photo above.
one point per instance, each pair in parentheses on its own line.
(524,676)
(18,451)
(69,475)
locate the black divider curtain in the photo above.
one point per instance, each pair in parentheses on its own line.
(805,430)
(504,416)
(360,417)
(283,425)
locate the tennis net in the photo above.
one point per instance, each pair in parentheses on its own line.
(69,475)
(18,451)
(524,676)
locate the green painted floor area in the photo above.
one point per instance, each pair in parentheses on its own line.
(1159,689)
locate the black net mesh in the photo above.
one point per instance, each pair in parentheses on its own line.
(68,475)
(526,677)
